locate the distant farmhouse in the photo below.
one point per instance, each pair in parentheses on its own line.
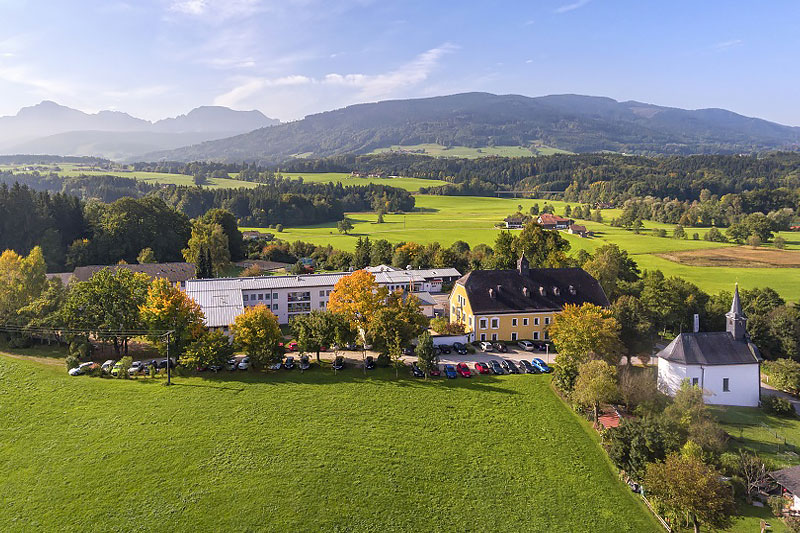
(510,305)
(548,221)
(581,231)
(175,273)
(223,299)
(517,220)
(724,364)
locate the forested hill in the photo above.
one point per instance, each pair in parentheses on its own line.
(569,122)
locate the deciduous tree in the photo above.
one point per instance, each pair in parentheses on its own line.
(596,384)
(169,308)
(257,333)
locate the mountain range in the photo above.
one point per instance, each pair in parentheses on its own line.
(50,128)
(569,122)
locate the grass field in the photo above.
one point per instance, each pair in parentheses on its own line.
(292,452)
(771,436)
(449,218)
(409,184)
(438,150)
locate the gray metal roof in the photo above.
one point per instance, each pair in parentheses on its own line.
(221,306)
(788,478)
(710,348)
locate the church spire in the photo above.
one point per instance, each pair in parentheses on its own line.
(735,319)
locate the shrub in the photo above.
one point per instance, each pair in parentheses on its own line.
(383,360)
(695,236)
(279,228)
(72,362)
(779,242)
(19,341)
(564,376)
(792,523)
(443,326)
(124,366)
(783,374)
(777,503)
(660,232)
(754,241)
(775,405)
(80,348)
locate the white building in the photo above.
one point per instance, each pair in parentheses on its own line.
(224,299)
(724,364)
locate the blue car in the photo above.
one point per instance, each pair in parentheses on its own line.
(541,365)
(450,371)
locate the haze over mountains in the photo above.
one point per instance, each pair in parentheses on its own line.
(569,122)
(50,128)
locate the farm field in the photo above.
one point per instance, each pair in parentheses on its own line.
(71,169)
(409,184)
(292,452)
(439,150)
(449,218)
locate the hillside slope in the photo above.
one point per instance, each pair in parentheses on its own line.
(569,122)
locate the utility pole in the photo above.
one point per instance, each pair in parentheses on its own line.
(169,362)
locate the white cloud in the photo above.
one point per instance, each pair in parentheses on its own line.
(253,86)
(215,9)
(725,45)
(572,7)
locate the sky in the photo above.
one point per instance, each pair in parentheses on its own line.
(291,58)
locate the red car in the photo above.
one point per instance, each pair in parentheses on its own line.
(463,370)
(292,346)
(435,372)
(481,368)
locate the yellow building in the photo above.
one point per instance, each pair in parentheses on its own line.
(511,305)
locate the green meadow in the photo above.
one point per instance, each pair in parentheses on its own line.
(409,184)
(438,150)
(301,452)
(447,219)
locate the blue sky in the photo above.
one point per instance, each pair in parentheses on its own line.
(157,58)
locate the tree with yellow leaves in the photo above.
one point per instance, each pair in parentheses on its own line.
(257,333)
(22,279)
(357,297)
(169,308)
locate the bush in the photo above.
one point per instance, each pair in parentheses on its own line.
(660,232)
(775,405)
(383,360)
(564,376)
(777,504)
(80,348)
(125,364)
(779,242)
(19,341)
(792,523)
(72,362)
(783,374)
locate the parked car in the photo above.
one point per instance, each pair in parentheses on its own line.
(511,366)
(108,365)
(292,346)
(500,347)
(232,364)
(136,367)
(444,348)
(435,372)
(117,368)
(496,368)
(541,346)
(304,363)
(486,346)
(369,363)
(338,363)
(482,368)
(351,346)
(529,368)
(416,371)
(215,368)
(244,364)
(276,365)
(450,371)
(541,365)
(289,363)
(460,348)
(526,345)
(463,370)
(163,363)
(408,351)
(80,369)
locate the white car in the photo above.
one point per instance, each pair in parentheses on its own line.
(231,365)
(487,346)
(526,345)
(276,366)
(244,364)
(80,369)
(107,366)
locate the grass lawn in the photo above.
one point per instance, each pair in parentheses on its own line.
(409,184)
(449,218)
(770,436)
(438,150)
(292,452)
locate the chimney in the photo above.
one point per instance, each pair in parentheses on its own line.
(491,293)
(696,323)
(525,292)
(542,290)
(499,289)
(572,290)
(556,291)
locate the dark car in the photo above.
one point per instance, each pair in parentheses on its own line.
(511,367)
(369,363)
(338,363)
(541,365)
(450,371)
(408,351)
(482,368)
(416,371)
(500,347)
(541,346)
(351,346)
(459,348)
(444,348)
(289,363)
(463,370)
(435,372)
(496,368)
(529,368)
(163,363)
(304,362)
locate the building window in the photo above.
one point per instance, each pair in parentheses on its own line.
(321,294)
(266,296)
(471,321)
(513,335)
(546,320)
(322,304)
(726,385)
(546,334)
(483,336)
(299,296)
(524,321)
(274,296)
(274,307)
(494,336)
(536,335)
(514,322)
(536,321)
(695,382)
(483,323)
(327,293)
(495,323)
(260,296)
(245,297)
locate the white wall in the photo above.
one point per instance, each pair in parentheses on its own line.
(744,381)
